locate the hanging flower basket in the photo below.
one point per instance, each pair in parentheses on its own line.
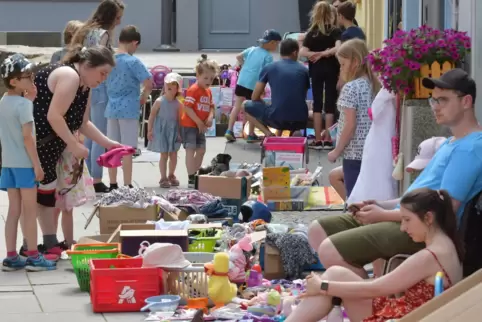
(435,70)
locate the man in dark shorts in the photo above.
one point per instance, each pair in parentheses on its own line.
(289,82)
(372,231)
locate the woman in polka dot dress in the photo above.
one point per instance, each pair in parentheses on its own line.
(98,30)
(62,107)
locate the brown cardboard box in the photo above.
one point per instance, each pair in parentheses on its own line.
(97,239)
(273,266)
(233,191)
(461,302)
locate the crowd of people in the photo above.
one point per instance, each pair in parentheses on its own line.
(90,91)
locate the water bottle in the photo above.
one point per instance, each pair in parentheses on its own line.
(336,314)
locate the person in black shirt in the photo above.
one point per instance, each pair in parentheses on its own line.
(346,15)
(319,46)
(337,3)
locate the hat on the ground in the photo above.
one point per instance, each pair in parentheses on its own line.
(456,79)
(425,153)
(174,78)
(15,64)
(260,211)
(163,255)
(270,35)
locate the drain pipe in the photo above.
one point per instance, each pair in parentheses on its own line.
(455,10)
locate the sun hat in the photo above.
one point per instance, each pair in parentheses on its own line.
(425,153)
(174,78)
(163,255)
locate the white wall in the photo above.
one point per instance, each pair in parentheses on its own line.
(52,16)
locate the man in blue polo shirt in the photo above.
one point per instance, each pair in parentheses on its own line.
(289,82)
(372,231)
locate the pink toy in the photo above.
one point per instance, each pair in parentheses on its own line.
(255,278)
(158,74)
(112,158)
(237,265)
(233,77)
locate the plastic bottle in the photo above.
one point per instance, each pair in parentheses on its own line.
(336,314)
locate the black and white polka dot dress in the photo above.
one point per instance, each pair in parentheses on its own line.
(50,151)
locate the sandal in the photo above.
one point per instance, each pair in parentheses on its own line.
(164,183)
(173,181)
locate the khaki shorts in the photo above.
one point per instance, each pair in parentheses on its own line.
(360,245)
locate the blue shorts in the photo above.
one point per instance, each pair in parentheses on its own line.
(351,170)
(17,178)
(262,112)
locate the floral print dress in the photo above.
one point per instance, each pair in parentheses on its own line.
(385,308)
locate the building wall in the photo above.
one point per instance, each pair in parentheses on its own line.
(371,18)
(51,16)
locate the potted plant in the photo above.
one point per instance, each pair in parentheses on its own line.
(412,55)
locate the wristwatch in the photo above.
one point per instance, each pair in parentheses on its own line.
(324,286)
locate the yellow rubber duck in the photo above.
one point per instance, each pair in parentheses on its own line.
(220,289)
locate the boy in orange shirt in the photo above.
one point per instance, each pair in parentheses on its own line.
(198,115)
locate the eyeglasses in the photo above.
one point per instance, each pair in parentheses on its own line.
(442,100)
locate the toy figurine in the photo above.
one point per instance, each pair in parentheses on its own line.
(238,261)
(220,289)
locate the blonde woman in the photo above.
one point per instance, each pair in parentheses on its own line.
(319,46)
(355,99)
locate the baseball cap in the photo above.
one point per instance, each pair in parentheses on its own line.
(174,78)
(425,153)
(456,79)
(270,35)
(15,64)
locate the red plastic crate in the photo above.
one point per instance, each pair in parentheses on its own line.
(291,144)
(111,278)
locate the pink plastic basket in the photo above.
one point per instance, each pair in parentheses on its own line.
(291,144)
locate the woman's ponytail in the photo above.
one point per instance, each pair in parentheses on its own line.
(447,220)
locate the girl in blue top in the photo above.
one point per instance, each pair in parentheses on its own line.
(163,129)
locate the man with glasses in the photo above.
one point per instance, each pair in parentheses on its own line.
(372,231)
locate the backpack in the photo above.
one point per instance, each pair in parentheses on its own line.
(471,230)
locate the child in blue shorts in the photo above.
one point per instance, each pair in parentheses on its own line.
(21,169)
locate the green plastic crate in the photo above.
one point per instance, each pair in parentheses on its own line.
(81,254)
(204,244)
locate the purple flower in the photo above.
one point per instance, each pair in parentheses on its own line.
(418,55)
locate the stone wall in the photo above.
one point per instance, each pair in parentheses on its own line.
(34,54)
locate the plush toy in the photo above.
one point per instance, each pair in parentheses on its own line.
(220,289)
(237,259)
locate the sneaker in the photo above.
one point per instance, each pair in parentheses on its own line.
(12,264)
(41,249)
(63,245)
(328,145)
(164,183)
(56,251)
(173,181)
(137,153)
(130,186)
(39,264)
(229,135)
(113,186)
(252,138)
(100,187)
(316,145)
(191,182)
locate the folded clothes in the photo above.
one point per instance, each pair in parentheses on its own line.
(112,158)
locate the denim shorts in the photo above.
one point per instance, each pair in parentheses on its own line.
(192,138)
(351,170)
(17,178)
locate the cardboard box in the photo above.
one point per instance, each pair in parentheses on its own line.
(458,303)
(97,239)
(233,191)
(110,217)
(273,266)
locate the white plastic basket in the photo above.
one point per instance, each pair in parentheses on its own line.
(189,282)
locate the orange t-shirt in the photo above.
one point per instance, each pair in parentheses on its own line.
(201,101)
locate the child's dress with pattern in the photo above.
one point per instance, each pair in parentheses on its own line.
(165,131)
(385,308)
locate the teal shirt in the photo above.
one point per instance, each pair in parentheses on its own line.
(255,59)
(15,111)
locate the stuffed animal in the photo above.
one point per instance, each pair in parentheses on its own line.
(237,259)
(218,165)
(220,289)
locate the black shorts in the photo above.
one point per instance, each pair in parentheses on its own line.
(244,92)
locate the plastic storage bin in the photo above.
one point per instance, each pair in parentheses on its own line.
(289,152)
(204,244)
(189,282)
(82,253)
(122,284)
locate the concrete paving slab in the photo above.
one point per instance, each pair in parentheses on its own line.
(62,298)
(18,278)
(19,302)
(16,288)
(63,275)
(124,317)
(55,317)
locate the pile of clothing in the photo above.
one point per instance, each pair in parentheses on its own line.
(196,202)
(132,197)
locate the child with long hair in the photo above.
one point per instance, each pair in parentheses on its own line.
(21,168)
(163,129)
(70,29)
(319,46)
(355,99)
(198,115)
(428,218)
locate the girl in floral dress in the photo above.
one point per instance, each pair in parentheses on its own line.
(427,216)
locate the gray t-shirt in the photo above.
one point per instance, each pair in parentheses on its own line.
(15,111)
(357,94)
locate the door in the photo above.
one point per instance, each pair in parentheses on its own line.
(238,24)
(433,13)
